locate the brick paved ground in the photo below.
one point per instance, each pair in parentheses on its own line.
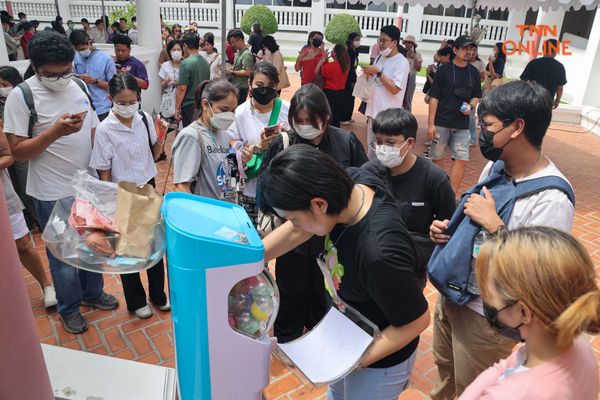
(119,334)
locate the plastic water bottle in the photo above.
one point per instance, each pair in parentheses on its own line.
(480,239)
(464,107)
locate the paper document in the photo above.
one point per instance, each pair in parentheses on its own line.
(330,351)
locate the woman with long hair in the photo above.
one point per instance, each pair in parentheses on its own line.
(272,54)
(495,66)
(538,285)
(352,45)
(335,74)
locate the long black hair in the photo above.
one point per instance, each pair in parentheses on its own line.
(270,43)
(120,82)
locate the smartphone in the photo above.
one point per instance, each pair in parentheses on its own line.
(81,114)
(272,130)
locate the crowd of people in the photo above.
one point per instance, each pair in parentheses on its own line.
(385,214)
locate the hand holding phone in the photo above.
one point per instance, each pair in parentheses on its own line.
(272,130)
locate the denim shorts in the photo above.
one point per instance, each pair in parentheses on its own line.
(456,139)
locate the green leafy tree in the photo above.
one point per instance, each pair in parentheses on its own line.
(126,13)
(339,27)
(261,14)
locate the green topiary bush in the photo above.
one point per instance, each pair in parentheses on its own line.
(339,27)
(261,14)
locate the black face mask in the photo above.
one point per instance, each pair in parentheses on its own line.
(486,144)
(317,42)
(491,314)
(263,95)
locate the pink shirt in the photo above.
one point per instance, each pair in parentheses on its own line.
(572,375)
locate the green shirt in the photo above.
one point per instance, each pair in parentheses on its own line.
(192,72)
(243,61)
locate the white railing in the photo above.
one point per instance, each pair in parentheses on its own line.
(435,27)
(295,19)
(92,10)
(41,10)
(370,22)
(205,14)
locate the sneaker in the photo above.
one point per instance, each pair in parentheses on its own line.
(144,312)
(345,122)
(49,297)
(74,323)
(165,307)
(104,302)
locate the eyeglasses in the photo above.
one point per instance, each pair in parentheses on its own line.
(374,144)
(56,78)
(485,125)
(382,41)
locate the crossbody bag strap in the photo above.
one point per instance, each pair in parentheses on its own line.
(276,110)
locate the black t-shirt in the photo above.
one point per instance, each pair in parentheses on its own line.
(546,71)
(353,54)
(424,193)
(255,40)
(452,86)
(498,66)
(379,267)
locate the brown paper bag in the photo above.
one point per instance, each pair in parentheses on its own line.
(138,211)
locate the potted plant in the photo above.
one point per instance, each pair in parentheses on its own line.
(339,27)
(261,14)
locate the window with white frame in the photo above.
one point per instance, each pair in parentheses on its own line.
(285,3)
(463,12)
(382,7)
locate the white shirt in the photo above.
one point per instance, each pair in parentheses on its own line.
(50,173)
(395,68)
(214,61)
(247,128)
(550,208)
(133,35)
(125,151)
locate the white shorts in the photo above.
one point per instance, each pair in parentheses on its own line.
(19,226)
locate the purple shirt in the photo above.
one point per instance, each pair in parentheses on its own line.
(135,67)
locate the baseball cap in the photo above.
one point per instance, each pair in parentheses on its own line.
(464,41)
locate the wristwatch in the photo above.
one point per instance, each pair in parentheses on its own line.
(96,81)
(499,230)
(379,74)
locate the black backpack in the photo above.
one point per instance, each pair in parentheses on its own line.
(28,97)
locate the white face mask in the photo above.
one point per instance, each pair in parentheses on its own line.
(386,52)
(356,43)
(176,55)
(389,156)
(55,85)
(222,120)
(4,91)
(126,110)
(85,53)
(308,132)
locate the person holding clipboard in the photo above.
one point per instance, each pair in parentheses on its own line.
(364,229)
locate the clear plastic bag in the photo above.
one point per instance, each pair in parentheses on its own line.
(73,248)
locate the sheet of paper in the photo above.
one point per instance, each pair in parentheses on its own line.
(330,350)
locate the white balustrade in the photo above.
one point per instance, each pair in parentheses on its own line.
(435,27)
(92,10)
(296,19)
(370,22)
(41,10)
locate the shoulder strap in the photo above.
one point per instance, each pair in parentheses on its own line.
(275,113)
(533,186)
(145,121)
(83,87)
(285,139)
(28,97)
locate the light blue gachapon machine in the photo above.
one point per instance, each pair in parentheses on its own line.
(223,303)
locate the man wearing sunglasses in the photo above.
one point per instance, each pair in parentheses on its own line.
(454,93)
(58,145)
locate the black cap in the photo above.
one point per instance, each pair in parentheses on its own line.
(464,41)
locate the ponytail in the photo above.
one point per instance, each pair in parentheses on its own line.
(120,82)
(583,315)
(213,91)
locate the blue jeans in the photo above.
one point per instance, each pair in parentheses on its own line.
(373,383)
(472,128)
(72,284)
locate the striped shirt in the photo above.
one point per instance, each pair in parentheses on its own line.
(125,151)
